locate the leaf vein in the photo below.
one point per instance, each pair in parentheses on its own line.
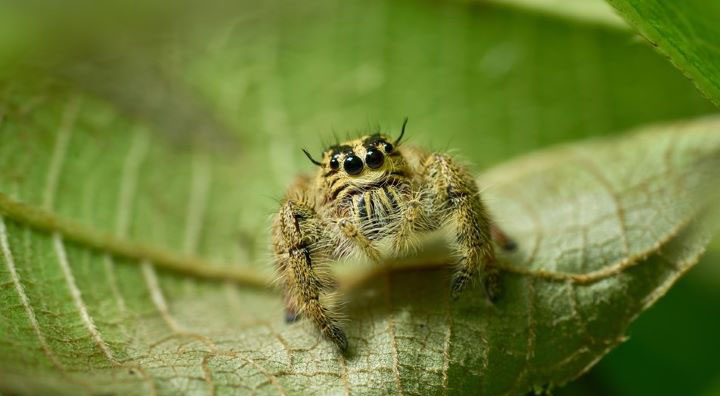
(24,300)
(76,294)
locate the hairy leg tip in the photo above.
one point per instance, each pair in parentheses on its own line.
(510,246)
(291,317)
(458,285)
(337,335)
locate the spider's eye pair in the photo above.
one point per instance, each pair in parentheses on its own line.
(353,165)
(374,159)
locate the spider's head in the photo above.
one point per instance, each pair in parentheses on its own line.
(360,163)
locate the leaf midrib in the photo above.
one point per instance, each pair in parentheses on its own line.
(198,267)
(105,242)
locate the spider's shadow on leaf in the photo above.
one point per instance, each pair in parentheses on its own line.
(408,303)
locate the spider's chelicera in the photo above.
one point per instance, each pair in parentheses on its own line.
(370,190)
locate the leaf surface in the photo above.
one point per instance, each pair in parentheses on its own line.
(604,228)
(132,265)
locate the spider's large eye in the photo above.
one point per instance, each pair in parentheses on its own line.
(334,163)
(374,158)
(353,165)
(388,147)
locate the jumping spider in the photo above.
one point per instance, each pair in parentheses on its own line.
(370,190)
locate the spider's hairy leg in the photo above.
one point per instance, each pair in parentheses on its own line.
(292,313)
(298,235)
(454,196)
(414,215)
(354,234)
(411,220)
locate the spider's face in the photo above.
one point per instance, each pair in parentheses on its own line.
(360,157)
(357,165)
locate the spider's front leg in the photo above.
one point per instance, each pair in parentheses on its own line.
(299,239)
(451,193)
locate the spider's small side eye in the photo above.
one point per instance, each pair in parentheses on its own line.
(353,165)
(374,158)
(334,163)
(388,147)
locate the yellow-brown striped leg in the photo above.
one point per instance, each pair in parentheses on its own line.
(455,196)
(352,232)
(475,247)
(411,219)
(307,288)
(297,234)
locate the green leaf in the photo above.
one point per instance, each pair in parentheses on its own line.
(604,228)
(587,11)
(133,265)
(687,32)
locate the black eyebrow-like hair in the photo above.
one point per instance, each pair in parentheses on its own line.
(373,139)
(339,148)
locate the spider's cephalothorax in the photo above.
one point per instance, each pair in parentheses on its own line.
(370,190)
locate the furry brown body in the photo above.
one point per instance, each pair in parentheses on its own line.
(366,191)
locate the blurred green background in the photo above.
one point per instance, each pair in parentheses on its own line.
(490,80)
